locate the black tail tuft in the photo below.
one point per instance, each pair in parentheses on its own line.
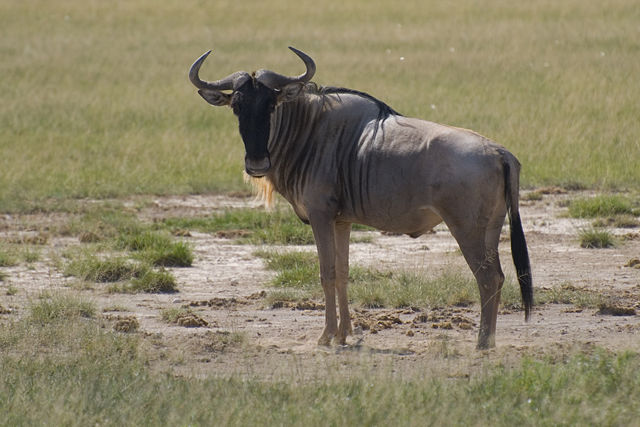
(521,261)
(519,250)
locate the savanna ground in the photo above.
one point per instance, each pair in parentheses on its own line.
(140,284)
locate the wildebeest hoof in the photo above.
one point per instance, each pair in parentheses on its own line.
(486,344)
(340,340)
(324,340)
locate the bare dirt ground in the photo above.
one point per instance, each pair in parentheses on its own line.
(227,283)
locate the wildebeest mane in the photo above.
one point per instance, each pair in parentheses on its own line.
(385,110)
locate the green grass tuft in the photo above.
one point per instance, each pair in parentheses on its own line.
(140,241)
(158,248)
(8,257)
(254,226)
(295,269)
(150,281)
(569,294)
(171,315)
(601,206)
(104,222)
(56,307)
(30,255)
(618,221)
(155,281)
(177,254)
(409,289)
(113,269)
(591,238)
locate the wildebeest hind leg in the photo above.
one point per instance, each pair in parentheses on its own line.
(480,250)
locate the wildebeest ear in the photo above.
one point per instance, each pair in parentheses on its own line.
(290,92)
(215,97)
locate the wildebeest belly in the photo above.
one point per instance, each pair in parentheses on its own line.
(394,217)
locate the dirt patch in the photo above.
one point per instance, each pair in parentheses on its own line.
(190,320)
(609,309)
(221,302)
(375,321)
(298,305)
(126,324)
(231,329)
(232,234)
(633,263)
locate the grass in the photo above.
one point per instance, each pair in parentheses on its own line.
(60,307)
(176,254)
(112,269)
(139,248)
(295,269)
(115,226)
(30,255)
(251,226)
(113,113)
(124,274)
(566,293)
(256,226)
(150,282)
(171,315)
(451,287)
(603,206)
(533,196)
(618,221)
(102,222)
(69,370)
(8,257)
(157,248)
(14,253)
(298,278)
(592,238)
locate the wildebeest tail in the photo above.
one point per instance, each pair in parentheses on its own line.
(519,250)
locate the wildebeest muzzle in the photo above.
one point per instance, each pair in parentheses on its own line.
(257,167)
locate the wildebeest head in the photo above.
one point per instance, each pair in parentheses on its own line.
(253,97)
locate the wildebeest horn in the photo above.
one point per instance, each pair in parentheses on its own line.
(277,81)
(227,83)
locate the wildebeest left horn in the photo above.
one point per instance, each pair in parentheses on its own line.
(225,84)
(277,81)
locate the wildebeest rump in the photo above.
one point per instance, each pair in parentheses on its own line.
(340,156)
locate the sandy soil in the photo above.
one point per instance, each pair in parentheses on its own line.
(226,288)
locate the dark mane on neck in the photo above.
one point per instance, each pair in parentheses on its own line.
(385,110)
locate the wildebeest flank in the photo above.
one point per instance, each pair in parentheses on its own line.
(340,156)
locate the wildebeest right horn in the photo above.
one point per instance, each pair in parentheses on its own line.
(277,81)
(227,83)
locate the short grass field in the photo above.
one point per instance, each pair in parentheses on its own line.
(64,369)
(95,104)
(95,99)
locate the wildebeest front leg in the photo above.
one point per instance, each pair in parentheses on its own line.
(324,234)
(343,230)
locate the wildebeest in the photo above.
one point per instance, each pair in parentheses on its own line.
(341,156)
